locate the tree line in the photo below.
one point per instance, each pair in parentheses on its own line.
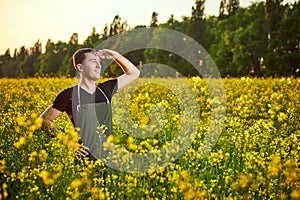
(262,39)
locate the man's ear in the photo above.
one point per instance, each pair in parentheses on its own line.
(79,67)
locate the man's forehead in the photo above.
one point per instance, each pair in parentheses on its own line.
(92,54)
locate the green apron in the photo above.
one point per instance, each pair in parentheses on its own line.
(95,123)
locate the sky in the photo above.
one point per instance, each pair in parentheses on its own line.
(23,23)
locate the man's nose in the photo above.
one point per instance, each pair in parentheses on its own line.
(98,65)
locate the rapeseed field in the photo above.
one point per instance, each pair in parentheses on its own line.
(257,156)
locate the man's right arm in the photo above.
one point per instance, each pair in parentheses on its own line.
(48,116)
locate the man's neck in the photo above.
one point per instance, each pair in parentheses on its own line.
(88,85)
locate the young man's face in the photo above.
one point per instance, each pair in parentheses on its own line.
(91,67)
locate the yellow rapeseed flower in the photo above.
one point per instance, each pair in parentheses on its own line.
(2,166)
(34,189)
(43,155)
(295,194)
(32,156)
(132,147)
(275,165)
(46,176)
(130,140)
(76,183)
(20,142)
(21,120)
(185,174)
(5,193)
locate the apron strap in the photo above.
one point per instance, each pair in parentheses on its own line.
(78,94)
(107,101)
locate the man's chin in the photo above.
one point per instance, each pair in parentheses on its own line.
(96,78)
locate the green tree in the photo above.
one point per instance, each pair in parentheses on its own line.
(155,54)
(154,21)
(239,42)
(250,41)
(52,59)
(21,55)
(67,64)
(196,28)
(5,60)
(211,26)
(222,10)
(11,64)
(93,39)
(29,65)
(117,26)
(105,33)
(283,57)
(176,25)
(221,50)
(232,7)
(228,8)
(273,15)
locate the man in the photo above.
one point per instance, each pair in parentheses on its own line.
(88,104)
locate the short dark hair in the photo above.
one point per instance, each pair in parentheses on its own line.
(79,55)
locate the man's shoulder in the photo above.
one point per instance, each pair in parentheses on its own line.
(109,81)
(109,86)
(68,91)
(63,100)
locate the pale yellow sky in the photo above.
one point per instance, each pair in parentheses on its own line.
(24,22)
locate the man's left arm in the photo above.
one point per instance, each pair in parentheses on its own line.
(131,73)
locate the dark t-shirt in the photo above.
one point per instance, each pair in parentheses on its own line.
(67,100)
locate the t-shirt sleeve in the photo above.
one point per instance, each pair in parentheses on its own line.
(61,101)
